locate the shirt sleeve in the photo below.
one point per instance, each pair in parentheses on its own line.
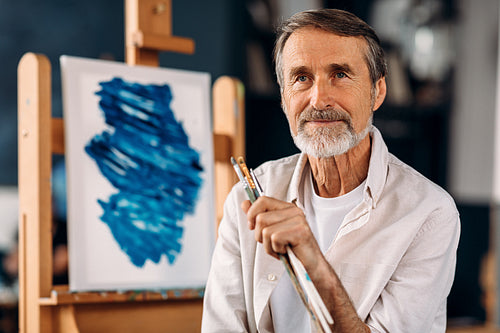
(224,301)
(414,299)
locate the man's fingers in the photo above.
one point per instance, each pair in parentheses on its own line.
(276,236)
(274,240)
(259,220)
(267,204)
(245,205)
(277,224)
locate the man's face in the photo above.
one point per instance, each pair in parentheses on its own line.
(327,91)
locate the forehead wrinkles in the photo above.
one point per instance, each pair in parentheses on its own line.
(309,47)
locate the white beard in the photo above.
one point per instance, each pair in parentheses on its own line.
(325,142)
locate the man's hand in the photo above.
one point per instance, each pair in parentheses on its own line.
(277,224)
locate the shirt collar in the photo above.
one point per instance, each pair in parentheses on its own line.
(377,171)
(297,175)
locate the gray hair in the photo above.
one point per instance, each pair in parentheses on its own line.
(338,22)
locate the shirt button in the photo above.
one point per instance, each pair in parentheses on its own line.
(271,277)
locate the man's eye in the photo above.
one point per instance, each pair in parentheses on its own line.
(302,78)
(340,75)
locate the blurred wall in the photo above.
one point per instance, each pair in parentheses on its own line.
(471,167)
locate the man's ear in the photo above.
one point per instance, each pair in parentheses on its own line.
(380,92)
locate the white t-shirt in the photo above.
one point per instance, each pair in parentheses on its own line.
(325,216)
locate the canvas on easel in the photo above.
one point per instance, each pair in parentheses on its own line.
(139,159)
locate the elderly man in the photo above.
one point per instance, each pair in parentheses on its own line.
(377,238)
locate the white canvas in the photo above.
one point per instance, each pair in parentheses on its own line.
(97,262)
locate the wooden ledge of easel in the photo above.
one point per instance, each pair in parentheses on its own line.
(151,317)
(159,42)
(60,295)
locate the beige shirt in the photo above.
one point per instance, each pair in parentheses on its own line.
(395,252)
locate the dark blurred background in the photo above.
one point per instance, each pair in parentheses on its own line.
(439,115)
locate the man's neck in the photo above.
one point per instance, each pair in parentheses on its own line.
(338,175)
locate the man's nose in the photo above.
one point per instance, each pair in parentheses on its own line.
(321,95)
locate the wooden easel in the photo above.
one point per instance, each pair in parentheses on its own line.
(44,307)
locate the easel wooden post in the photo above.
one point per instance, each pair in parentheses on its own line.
(45,308)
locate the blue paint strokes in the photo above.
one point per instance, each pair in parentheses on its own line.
(146,156)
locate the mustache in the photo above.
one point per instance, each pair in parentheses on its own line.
(311,114)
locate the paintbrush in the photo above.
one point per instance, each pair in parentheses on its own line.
(298,275)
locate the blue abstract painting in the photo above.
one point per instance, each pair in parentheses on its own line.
(145,155)
(139,174)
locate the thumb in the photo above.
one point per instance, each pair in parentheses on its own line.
(245,205)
